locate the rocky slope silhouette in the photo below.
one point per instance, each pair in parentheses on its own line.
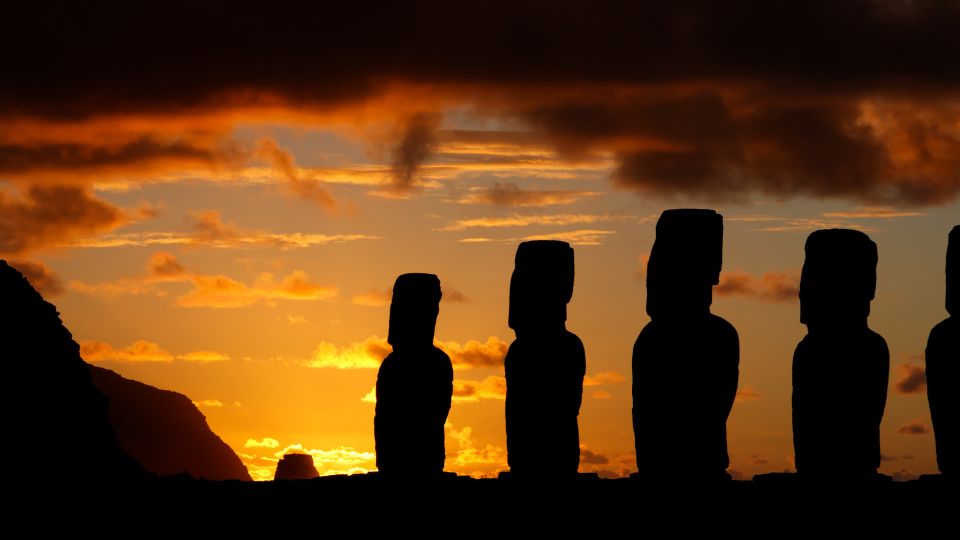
(51,405)
(165,431)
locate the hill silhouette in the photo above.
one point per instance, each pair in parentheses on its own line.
(49,398)
(165,431)
(296,467)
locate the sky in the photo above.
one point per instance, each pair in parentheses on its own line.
(218,198)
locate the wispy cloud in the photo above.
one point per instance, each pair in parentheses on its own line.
(604,377)
(373,298)
(214,291)
(203,357)
(207,228)
(580,237)
(873,212)
(492,387)
(138,351)
(265,442)
(770,287)
(914,427)
(217,291)
(526,221)
(369,353)
(747,393)
(509,194)
(143,351)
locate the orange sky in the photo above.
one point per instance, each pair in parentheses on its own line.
(227,223)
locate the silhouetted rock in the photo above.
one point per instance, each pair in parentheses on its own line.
(296,467)
(841,368)
(50,402)
(544,366)
(686,359)
(943,368)
(165,431)
(414,384)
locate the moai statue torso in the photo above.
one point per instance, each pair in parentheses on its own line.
(943,368)
(841,368)
(414,385)
(686,360)
(544,366)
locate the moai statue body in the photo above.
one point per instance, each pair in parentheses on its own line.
(841,368)
(686,359)
(414,384)
(544,366)
(943,368)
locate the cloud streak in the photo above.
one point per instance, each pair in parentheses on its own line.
(207,228)
(138,351)
(369,353)
(143,351)
(531,220)
(771,287)
(508,194)
(492,387)
(914,427)
(218,291)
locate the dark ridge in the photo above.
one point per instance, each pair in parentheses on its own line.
(165,431)
(52,405)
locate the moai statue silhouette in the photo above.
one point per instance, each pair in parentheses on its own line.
(841,368)
(414,385)
(686,359)
(943,368)
(544,366)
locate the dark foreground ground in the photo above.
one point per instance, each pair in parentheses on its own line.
(367,505)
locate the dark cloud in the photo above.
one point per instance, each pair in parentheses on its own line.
(915,427)
(589,457)
(40,276)
(912,380)
(696,98)
(83,159)
(79,58)
(414,146)
(50,215)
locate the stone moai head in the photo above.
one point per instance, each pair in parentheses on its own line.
(413,311)
(953,273)
(839,277)
(541,286)
(684,263)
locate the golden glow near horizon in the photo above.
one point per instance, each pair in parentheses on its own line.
(260,287)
